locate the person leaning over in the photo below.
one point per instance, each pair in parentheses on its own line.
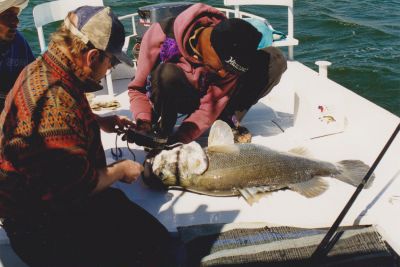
(205,66)
(55,198)
(15,52)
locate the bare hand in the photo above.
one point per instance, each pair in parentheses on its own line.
(125,171)
(132,171)
(110,124)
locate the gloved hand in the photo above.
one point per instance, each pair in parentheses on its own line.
(241,134)
(143,126)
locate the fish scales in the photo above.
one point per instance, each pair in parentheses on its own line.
(254,165)
(251,170)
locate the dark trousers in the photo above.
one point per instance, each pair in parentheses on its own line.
(172,93)
(2,102)
(108,230)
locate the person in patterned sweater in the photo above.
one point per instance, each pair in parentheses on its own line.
(57,206)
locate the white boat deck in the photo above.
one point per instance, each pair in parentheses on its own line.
(368,128)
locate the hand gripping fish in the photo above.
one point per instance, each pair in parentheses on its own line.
(250,170)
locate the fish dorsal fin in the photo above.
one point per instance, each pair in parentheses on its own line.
(310,188)
(302,151)
(227,149)
(220,134)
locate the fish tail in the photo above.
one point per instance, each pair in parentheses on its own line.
(353,172)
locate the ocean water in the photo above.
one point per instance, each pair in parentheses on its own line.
(360,38)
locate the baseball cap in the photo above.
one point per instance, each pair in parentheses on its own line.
(235,41)
(99,26)
(6,4)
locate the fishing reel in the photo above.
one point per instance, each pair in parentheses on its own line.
(150,141)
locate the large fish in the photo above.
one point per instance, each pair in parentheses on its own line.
(250,170)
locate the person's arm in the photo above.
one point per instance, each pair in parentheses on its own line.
(69,167)
(126,171)
(61,165)
(110,124)
(211,106)
(148,57)
(140,106)
(199,121)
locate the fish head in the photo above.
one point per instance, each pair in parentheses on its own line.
(175,167)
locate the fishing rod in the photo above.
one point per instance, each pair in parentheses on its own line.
(329,240)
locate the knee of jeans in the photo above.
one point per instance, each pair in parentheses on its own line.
(168,75)
(186,105)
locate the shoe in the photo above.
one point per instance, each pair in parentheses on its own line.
(241,134)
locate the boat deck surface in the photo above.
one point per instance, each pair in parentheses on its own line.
(273,123)
(282,123)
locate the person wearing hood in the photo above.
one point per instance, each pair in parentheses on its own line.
(203,65)
(57,206)
(15,52)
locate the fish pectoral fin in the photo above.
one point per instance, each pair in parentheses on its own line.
(250,199)
(254,194)
(220,134)
(302,151)
(310,188)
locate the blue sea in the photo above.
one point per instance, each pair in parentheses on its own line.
(360,38)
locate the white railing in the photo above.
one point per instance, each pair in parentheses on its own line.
(134,32)
(289,41)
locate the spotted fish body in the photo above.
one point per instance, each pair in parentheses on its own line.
(248,170)
(251,165)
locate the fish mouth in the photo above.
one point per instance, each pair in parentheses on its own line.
(176,166)
(150,178)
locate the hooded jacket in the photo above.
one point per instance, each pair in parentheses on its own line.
(215,93)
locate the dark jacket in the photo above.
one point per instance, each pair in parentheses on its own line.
(13,58)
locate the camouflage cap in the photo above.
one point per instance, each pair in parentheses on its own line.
(99,26)
(6,4)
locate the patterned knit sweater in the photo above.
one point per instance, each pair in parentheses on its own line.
(49,139)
